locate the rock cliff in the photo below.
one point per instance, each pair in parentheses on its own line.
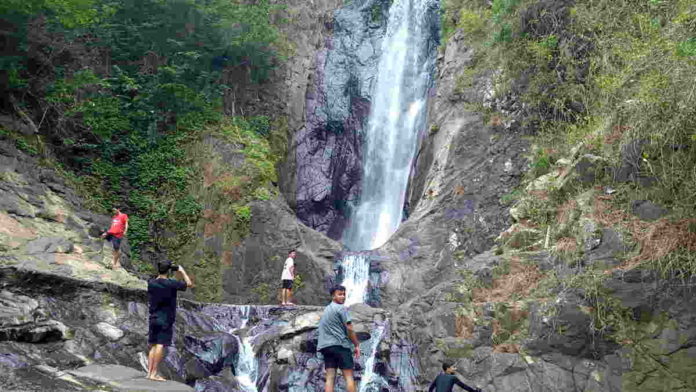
(327,149)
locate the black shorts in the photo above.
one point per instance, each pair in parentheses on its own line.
(287,284)
(115,242)
(337,357)
(160,334)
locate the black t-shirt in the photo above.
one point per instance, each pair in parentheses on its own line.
(445,382)
(162,295)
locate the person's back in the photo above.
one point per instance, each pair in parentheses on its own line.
(162,293)
(332,327)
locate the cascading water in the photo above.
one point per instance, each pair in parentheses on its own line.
(397,116)
(247,364)
(404,77)
(356,273)
(370,381)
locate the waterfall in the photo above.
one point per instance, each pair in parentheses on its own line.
(247,364)
(404,77)
(371,382)
(356,273)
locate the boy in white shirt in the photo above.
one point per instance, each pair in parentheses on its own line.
(287,279)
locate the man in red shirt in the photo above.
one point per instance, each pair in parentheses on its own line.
(119,228)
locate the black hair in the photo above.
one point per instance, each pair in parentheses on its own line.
(164,266)
(446,365)
(292,250)
(336,288)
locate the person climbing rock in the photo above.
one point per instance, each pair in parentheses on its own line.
(287,278)
(161,292)
(446,380)
(118,229)
(336,339)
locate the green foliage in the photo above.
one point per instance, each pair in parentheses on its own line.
(501,8)
(26,147)
(208,277)
(541,163)
(132,127)
(264,292)
(511,197)
(102,115)
(609,65)
(243,214)
(512,327)
(69,13)
(687,48)
(297,284)
(473,22)
(376,13)
(138,234)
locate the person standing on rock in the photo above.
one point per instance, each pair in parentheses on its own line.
(337,339)
(287,278)
(118,229)
(446,380)
(161,292)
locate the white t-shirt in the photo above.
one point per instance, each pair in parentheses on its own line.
(287,273)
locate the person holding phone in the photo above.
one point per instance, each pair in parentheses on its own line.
(162,293)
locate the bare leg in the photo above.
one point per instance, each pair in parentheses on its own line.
(156,356)
(350,383)
(117,259)
(288,296)
(330,380)
(150,360)
(283,296)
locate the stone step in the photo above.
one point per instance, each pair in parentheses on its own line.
(125,379)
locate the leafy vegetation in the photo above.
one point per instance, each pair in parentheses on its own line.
(127,88)
(598,72)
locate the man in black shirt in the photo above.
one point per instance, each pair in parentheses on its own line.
(446,380)
(161,292)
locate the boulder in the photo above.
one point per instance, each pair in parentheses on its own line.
(300,324)
(108,331)
(608,248)
(49,245)
(285,356)
(647,210)
(214,351)
(35,332)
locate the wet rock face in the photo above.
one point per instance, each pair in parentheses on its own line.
(327,149)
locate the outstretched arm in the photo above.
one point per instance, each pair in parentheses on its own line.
(468,388)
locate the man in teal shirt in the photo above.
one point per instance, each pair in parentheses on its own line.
(446,380)
(337,340)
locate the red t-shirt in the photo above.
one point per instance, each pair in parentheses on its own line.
(118,225)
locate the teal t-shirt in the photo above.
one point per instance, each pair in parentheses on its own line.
(332,327)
